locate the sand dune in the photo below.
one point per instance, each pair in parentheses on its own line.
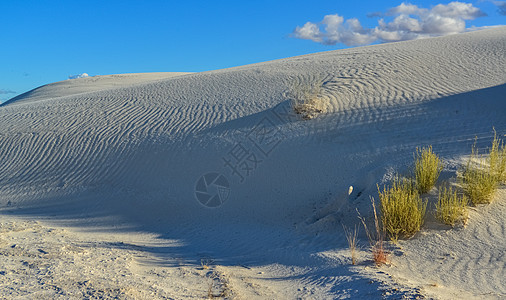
(77,86)
(126,153)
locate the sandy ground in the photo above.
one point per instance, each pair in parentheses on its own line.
(176,185)
(41,261)
(48,262)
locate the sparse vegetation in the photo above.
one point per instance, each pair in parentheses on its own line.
(497,159)
(427,169)
(306,99)
(376,240)
(206,263)
(451,208)
(351,237)
(379,254)
(402,209)
(481,180)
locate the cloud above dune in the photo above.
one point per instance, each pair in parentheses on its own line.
(82,75)
(2,92)
(403,22)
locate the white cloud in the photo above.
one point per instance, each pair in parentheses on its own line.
(404,22)
(406,9)
(501,7)
(439,25)
(309,31)
(2,91)
(465,11)
(82,75)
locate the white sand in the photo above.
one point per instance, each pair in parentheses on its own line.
(100,174)
(74,87)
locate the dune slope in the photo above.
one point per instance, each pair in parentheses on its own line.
(143,156)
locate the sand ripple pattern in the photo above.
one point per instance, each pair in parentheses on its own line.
(141,146)
(94,137)
(469,260)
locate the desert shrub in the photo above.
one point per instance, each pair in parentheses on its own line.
(450,208)
(427,169)
(376,239)
(479,185)
(306,100)
(479,178)
(497,159)
(402,209)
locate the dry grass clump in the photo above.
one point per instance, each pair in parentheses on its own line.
(351,237)
(479,184)
(376,240)
(402,209)
(497,159)
(306,99)
(427,169)
(206,263)
(379,254)
(450,208)
(480,176)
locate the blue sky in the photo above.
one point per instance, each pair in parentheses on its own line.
(47,41)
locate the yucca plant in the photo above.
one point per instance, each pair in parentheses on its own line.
(428,167)
(451,208)
(402,209)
